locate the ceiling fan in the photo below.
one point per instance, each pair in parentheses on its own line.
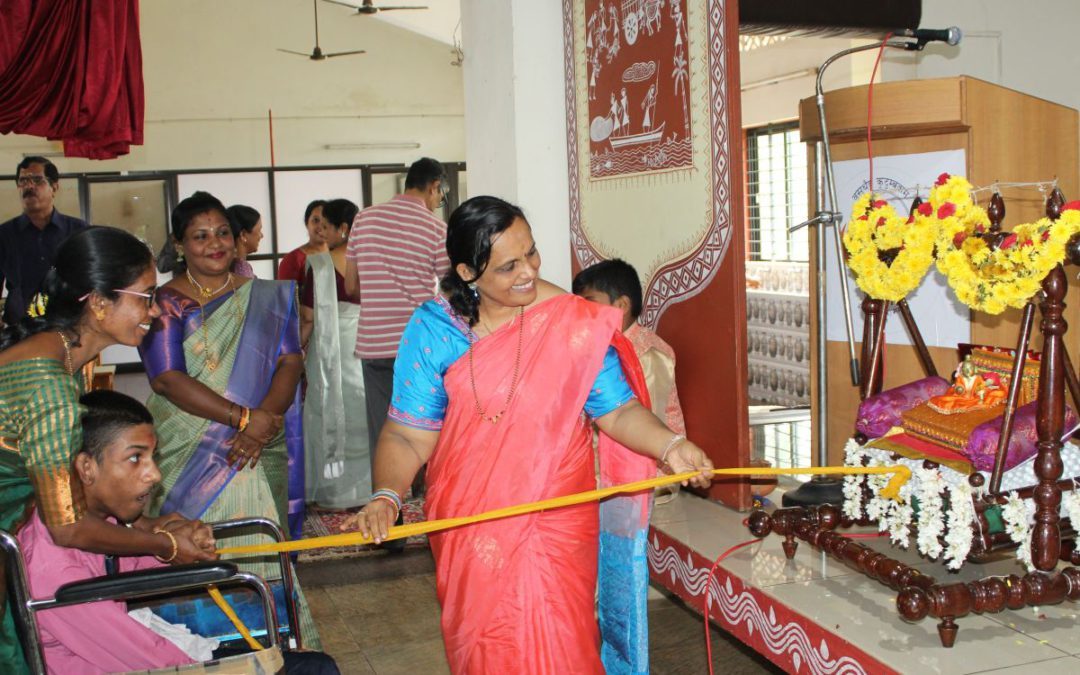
(317,54)
(368,7)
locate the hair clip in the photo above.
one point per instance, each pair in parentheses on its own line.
(38,305)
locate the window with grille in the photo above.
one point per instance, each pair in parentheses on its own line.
(776,193)
(783,445)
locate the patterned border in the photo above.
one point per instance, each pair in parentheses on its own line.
(776,632)
(682,279)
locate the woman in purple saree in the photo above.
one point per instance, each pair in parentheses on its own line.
(224,363)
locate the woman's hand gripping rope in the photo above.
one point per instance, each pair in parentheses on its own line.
(900,475)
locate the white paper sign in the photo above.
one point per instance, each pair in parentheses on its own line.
(941,318)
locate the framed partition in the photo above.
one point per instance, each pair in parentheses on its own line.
(141,202)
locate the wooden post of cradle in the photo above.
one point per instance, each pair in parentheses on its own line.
(873,317)
(1005,434)
(916,336)
(1049,420)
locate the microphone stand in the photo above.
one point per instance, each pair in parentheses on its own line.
(828,489)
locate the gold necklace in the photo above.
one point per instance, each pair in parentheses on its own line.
(213,360)
(67,353)
(494,419)
(204,291)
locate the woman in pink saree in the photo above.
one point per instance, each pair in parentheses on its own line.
(497,384)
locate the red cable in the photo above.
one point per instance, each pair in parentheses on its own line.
(870,111)
(705,602)
(736,547)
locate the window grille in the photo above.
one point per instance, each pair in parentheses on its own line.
(777,196)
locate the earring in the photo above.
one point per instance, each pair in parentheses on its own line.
(180,255)
(99,313)
(475,293)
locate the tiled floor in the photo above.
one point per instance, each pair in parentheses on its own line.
(379,614)
(1044,640)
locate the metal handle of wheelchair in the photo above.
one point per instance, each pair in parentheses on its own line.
(18,585)
(284,562)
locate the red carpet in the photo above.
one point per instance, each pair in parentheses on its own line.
(320,522)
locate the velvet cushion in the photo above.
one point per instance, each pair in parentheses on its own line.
(982,444)
(881,412)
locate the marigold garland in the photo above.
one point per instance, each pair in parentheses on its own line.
(877,233)
(991,279)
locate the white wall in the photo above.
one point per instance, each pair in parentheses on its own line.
(794,63)
(515,118)
(212,70)
(1028,46)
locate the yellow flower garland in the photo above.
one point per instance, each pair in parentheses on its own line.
(991,279)
(875,229)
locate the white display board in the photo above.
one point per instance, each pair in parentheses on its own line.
(251,188)
(294,190)
(942,319)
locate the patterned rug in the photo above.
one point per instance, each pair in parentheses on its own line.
(321,522)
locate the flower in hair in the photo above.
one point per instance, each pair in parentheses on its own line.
(38,304)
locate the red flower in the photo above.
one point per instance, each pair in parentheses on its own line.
(980,229)
(881,221)
(910,219)
(945,210)
(1045,236)
(1027,242)
(1008,241)
(879,203)
(926,209)
(942,179)
(864,217)
(958,240)
(1071,206)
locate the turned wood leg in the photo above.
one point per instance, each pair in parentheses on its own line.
(790,546)
(947,631)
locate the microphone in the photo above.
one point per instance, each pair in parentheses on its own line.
(950,35)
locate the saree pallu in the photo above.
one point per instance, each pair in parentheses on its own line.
(337,461)
(518,595)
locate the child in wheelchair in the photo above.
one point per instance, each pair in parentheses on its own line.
(116,473)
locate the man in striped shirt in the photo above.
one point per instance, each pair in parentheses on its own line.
(395,257)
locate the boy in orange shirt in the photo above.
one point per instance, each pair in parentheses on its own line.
(615,282)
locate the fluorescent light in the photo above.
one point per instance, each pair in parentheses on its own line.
(386,145)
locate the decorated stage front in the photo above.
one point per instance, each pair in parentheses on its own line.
(814,615)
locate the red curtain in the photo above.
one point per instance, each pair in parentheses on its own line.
(71,70)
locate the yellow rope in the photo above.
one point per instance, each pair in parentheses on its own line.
(224,606)
(901,474)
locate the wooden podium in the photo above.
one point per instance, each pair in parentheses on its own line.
(1006,135)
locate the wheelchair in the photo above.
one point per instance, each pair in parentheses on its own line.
(275,609)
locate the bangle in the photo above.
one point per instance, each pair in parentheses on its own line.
(388,494)
(245,417)
(175,546)
(232,407)
(386,498)
(675,440)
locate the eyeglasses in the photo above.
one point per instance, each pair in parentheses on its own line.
(27,181)
(151,297)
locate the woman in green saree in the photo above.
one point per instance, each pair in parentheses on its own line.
(224,364)
(100,293)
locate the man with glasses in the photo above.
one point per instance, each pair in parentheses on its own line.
(395,257)
(29,241)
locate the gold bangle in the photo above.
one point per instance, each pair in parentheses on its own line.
(175,546)
(245,417)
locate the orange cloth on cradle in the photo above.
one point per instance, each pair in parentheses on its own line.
(949,430)
(971,391)
(999,361)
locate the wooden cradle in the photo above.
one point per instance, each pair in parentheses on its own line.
(1053,538)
